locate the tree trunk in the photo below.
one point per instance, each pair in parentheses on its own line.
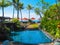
(2,11)
(42,5)
(29,14)
(40,16)
(13,13)
(3,14)
(17,9)
(21,14)
(18,14)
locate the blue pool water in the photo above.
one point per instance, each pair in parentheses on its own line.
(31,37)
(36,21)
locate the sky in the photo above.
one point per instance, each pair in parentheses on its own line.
(8,10)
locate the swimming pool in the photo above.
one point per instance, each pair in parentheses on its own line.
(31,37)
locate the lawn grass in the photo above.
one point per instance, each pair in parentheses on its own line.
(33,26)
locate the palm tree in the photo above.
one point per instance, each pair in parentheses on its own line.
(20,8)
(13,3)
(43,5)
(57,2)
(16,4)
(58,9)
(4,4)
(37,11)
(13,13)
(29,7)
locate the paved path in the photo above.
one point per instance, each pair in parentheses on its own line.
(37,44)
(34,44)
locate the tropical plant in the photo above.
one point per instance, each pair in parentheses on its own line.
(51,20)
(43,5)
(20,8)
(29,7)
(57,6)
(3,4)
(13,3)
(16,4)
(37,11)
(4,32)
(17,23)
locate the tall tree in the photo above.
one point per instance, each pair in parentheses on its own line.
(20,8)
(16,4)
(58,0)
(13,3)
(4,4)
(58,8)
(29,7)
(38,12)
(43,5)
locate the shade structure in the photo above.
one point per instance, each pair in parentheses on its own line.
(24,18)
(31,37)
(32,18)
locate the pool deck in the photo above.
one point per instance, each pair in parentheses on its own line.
(47,44)
(35,44)
(31,44)
(17,43)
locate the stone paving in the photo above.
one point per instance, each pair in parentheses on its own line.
(46,44)
(34,44)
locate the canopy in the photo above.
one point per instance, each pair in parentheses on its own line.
(24,18)
(32,18)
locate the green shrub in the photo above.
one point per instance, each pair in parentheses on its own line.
(50,21)
(17,23)
(7,29)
